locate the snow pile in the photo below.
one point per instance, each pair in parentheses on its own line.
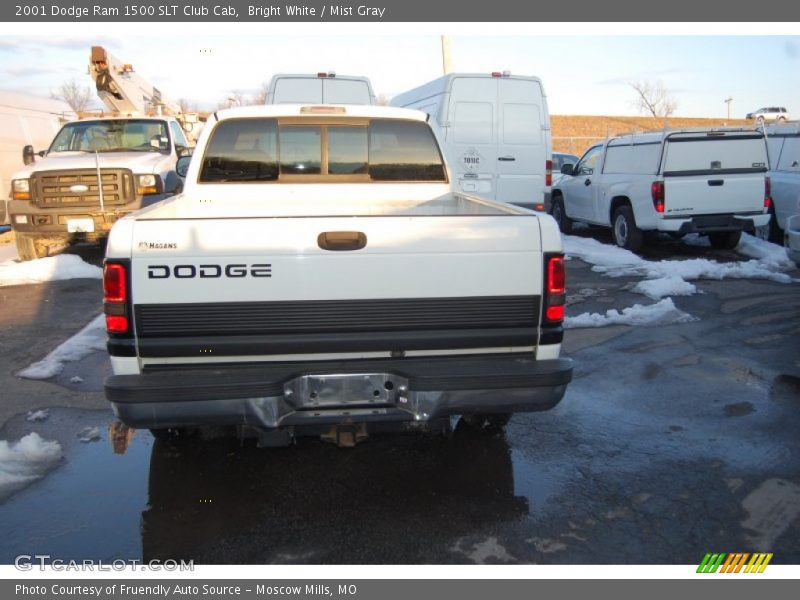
(597,253)
(672,285)
(52,268)
(663,312)
(25,461)
(87,340)
(768,260)
(37,415)
(765,252)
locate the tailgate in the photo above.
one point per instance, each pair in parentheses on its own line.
(266,286)
(714,173)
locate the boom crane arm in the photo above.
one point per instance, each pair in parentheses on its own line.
(122,90)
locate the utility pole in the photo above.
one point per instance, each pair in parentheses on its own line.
(728,101)
(447,64)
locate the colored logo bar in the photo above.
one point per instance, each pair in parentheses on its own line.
(735,563)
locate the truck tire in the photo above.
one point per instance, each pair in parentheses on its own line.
(624,230)
(775,233)
(724,240)
(560,215)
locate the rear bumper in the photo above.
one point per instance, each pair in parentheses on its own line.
(270,396)
(713,223)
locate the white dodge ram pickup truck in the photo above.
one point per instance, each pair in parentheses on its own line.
(318,272)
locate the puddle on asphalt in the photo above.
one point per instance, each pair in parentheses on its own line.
(394,498)
(90,505)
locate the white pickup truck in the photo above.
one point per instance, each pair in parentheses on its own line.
(94,172)
(711,182)
(318,273)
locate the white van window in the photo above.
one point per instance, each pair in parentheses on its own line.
(706,154)
(472,123)
(627,158)
(291,90)
(345,91)
(522,124)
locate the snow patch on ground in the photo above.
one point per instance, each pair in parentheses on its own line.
(52,268)
(87,340)
(25,461)
(663,312)
(37,415)
(768,262)
(671,285)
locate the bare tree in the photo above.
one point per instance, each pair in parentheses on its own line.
(261,95)
(653,98)
(187,106)
(382,100)
(234,98)
(73,94)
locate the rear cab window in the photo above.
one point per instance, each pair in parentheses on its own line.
(303,150)
(715,153)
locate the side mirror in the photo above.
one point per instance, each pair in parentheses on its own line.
(28,155)
(41,153)
(566,168)
(183,151)
(182,166)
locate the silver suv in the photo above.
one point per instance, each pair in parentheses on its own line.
(770,113)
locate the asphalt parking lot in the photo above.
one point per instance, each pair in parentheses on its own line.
(672,441)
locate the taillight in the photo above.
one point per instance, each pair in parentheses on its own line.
(548,173)
(115,297)
(555,288)
(657,194)
(767,194)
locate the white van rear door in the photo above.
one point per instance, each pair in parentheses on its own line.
(714,173)
(522,144)
(471,138)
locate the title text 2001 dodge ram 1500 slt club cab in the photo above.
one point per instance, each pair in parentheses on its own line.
(318,272)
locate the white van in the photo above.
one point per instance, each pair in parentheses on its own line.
(708,181)
(783,143)
(495,130)
(25,121)
(320,88)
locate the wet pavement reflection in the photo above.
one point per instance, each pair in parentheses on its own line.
(396,498)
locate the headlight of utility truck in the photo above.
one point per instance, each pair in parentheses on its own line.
(148,184)
(22,189)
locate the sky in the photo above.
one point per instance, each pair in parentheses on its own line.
(586,75)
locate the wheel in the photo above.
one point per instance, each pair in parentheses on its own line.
(725,240)
(774,232)
(560,215)
(779,119)
(760,120)
(625,231)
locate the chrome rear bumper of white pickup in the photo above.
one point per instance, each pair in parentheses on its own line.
(289,395)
